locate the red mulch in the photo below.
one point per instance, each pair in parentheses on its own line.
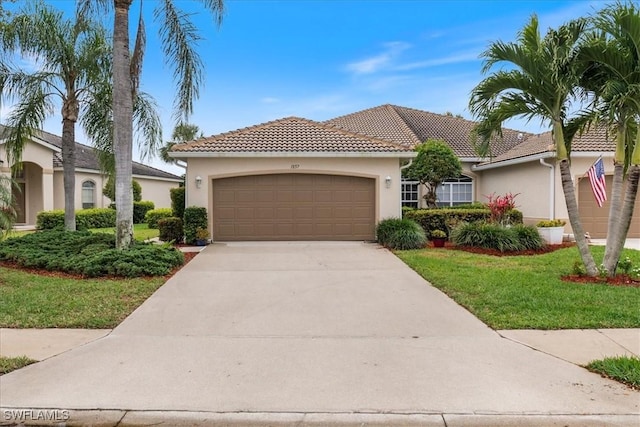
(188,256)
(617,280)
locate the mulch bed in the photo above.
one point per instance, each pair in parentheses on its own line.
(188,256)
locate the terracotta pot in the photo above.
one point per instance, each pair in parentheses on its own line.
(438,242)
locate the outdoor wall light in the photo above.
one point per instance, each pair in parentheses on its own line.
(198,181)
(387,181)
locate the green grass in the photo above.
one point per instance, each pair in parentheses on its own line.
(34,301)
(8,364)
(624,369)
(140,232)
(525,292)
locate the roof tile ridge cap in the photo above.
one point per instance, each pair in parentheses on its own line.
(351,133)
(154,168)
(403,124)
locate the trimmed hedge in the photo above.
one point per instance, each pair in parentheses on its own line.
(171,230)
(177,201)
(194,217)
(494,236)
(448,218)
(153,216)
(89,254)
(140,209)
(85,218)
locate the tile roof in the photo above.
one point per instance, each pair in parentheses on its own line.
(87,158)
(592,140)
(291,134)
(409,126)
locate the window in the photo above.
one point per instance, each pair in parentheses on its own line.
(88,194)
(454,192)
(410,195)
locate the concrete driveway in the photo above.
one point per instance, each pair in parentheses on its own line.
(319,333)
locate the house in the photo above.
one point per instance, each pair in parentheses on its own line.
(297,179)
(40,180)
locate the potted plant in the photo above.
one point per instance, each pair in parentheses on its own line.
(551,230)
(202,236)
(438,237)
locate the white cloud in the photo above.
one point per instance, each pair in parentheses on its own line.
(380,61)
(451,59)
(269,100)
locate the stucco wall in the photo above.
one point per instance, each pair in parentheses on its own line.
(531,180)
(154,190)
(387,199)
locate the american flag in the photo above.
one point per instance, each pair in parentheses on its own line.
(598,185)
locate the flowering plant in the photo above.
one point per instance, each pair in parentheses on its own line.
(500,206)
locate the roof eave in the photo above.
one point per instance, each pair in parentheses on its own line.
(516,161)
(318,154)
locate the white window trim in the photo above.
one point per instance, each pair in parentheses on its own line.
(406,202)
(82,187)
(450,202)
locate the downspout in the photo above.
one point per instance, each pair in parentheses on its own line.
(552,188)
(407,165)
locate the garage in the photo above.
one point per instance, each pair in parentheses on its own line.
(293,206)
(594,218)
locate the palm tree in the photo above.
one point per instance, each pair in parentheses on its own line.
(541,82)
(183,132)
(178,36)
(76,58)
(612,51)
(7,210)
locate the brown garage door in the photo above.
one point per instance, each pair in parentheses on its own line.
(594,218)
(293,207)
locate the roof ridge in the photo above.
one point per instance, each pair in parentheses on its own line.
(403,123)
(361,135)
(246,129)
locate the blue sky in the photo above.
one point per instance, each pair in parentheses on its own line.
(322,59)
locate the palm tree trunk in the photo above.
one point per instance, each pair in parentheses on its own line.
(69,172)
(574,218)
(615,240)
(122,125)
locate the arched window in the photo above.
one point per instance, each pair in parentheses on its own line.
(456,191)
(88,195)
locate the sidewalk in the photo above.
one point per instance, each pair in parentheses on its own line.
(578,346)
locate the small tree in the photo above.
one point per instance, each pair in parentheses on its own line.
(109,190)
(435,163)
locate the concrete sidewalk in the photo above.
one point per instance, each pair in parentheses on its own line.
(310,334)
(578,346)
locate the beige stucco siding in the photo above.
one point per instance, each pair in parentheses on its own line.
(531,180)
(387,199)
(156,190)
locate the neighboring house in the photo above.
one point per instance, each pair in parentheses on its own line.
(40,180)
(296,179)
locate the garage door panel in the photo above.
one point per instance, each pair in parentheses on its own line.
(293,207)
(595,219)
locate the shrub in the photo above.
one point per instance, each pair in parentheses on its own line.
(528,237)
(177,201)
(449,218)
(194,217)
(140,209)
(109,190)
(88,254)
(171,230)
(551,223)
(500,206)
(406,209)
(486,235)
(153,216)
(85,218)
(397,233)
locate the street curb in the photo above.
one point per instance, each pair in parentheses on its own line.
(122,418)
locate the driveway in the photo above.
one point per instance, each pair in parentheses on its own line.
(320,329)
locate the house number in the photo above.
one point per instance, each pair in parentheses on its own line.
(295,166)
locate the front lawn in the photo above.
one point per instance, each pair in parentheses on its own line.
(525,292)
(35,301)
(141,232)
(624,369)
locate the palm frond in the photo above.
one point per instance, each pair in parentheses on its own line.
(148,126)
(179,37)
